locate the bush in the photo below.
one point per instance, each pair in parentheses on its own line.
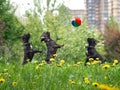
(112,41)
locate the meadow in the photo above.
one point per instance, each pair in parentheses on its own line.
(60,76)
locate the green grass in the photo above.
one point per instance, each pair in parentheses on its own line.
(67,76)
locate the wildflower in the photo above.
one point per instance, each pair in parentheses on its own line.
(36,68)
(71,81)
(14,83)
(88,63)
(106,87)
(74,65)
(52,59)
(86,80)
(95,84)
(116,61)
(97,59)
(91,59)
(43,61)
(59,65)
(55,55)
(106,67)
(79,63)
(113,64)
(96,62)
(2,80)
(62,61)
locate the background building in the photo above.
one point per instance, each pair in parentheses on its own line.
(97,13)
(81,13)
(115,9)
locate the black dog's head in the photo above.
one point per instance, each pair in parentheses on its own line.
(26,37)
(91,42)
(45,36)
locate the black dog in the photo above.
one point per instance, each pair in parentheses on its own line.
(91,51)
(28,50)
(51,46)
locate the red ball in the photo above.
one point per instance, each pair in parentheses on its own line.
(78,20)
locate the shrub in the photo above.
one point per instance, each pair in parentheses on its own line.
(112,41)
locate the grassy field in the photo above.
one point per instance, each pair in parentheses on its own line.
(60,76)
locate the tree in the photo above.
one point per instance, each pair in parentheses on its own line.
(10,29)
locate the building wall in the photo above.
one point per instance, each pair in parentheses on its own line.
(78,13)
(97,13)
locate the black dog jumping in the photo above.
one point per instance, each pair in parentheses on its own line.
(28,50)
(91,51)
(51,46)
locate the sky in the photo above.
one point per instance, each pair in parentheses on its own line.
(23,5)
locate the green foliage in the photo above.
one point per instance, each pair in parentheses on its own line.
(10,30)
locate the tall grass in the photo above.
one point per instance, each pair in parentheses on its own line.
(60,76)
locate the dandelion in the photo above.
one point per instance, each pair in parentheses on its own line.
(96,62)
(74,65)
(95,84)
(55,55)
(105,66)
(14,83)
(52,59)
(59,65)
(106,87)
(2,80)
(62,61)
(88,63)
(71,81)
(79,63)
(91,59)
(43,61)
(36,68)
(97,59)
(86,80)
(116,61)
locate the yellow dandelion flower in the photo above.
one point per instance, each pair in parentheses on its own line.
(96,62)
(36,68)
(88,63)
(5,70)
(40,64)
(52,59)
(74,65)
(14,83)
(97,59)
(86,80)
(79,63)
(116,61)
(62,61)
(104,87)
(71,81)
(59,65)
(2,80)
(95,84)
(43,61)
(55,55)
(114,64)
(105,66)
(91,59)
